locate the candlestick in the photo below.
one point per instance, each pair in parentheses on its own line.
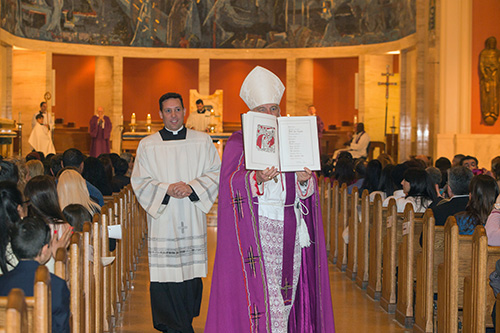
(132,120)
(148,119)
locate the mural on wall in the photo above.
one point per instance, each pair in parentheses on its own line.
(211,23)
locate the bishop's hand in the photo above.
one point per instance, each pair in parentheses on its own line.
(304,176)
(267,174)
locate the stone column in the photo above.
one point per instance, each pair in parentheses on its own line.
(117,114)
(454,35)
(204,76)
(372,101)
(6,82)
(305,80)
(104,95)
(29,83)
(290,85)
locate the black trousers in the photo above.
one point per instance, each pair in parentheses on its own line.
(175,304)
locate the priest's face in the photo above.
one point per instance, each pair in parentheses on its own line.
(270,108)
(172,114)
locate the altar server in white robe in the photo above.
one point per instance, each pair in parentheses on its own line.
(40,138)
(176,179)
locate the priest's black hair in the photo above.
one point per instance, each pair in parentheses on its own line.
(169,96)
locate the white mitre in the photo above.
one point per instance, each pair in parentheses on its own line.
(261,86)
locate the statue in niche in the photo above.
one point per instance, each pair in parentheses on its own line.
(489,65)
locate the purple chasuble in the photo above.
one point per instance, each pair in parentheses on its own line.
(99,136)
(239,300)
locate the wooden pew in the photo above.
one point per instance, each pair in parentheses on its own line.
(16,312)
(363,241)
(427,268)
(328,211)
(106,270)
(76,284)
(455,267)
(408,247)
(377,232)
(352,246)
(478,295)
(343,220)
(39,308)
(388,297)
(98,274)
(60,265)
(119,256)
(88,278)
(334,221)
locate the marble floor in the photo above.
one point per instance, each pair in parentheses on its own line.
(353,310)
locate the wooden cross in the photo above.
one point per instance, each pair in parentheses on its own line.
(182,227)
(387,74)
(238,201)
(255,314)
(252,260)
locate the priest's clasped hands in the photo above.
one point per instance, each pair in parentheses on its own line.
(270,173)
(179,190)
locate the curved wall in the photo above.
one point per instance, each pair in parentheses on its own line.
(212,24)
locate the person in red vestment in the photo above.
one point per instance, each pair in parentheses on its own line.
(100,131)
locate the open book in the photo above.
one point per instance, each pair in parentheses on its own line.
(287,143)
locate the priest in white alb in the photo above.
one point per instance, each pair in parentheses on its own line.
(176,179)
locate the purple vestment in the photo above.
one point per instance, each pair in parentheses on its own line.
(239,296)
(99,136)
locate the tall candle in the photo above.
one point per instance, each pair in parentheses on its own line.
(132,120)
(148,119)
(19,118)
(355,119)
(393,121)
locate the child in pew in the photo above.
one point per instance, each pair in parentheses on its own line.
(77,215)
(31,242)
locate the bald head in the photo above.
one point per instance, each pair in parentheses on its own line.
(100,111)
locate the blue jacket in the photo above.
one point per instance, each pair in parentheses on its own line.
(23,276)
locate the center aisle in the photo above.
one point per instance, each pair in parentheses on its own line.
(353,310)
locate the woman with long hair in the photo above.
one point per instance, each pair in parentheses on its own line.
(11,202)
(418,191)
(372,176)
(483,193)
(43,202)
(71,188)
(41,191)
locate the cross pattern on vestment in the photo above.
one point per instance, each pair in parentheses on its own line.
(182,227)
(387,74)
(238,201)
(286,288)
(251,260)
(255,315)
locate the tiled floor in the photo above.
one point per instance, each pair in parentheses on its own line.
(353,310)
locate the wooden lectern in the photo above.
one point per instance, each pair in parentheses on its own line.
(392,146)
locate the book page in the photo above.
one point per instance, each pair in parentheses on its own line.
(260,137)
(299,144)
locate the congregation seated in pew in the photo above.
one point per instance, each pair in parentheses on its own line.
(31,241)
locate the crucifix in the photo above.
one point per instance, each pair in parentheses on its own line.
(387,74)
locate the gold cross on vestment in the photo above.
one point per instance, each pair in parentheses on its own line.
(255,315)
(286,288)
(238,201)
(251,260)
(387,74)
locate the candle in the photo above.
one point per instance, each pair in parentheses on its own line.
(355,119)
(132,120)
(148,119)
(19,118)
(393,121)
(121,120)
